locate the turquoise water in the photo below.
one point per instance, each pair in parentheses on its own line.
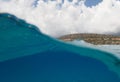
(27,55)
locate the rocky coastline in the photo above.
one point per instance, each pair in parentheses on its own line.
(96,39)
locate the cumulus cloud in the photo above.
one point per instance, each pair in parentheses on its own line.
(56,18)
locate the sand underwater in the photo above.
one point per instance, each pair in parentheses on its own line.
(27,55)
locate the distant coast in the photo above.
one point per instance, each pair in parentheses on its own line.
(96,39)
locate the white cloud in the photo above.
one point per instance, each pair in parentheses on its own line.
(71,18)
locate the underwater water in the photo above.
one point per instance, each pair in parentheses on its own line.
(27,55)
(115,49)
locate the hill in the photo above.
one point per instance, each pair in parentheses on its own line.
(97,39)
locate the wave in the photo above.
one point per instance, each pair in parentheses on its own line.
(57,18)
(28,55)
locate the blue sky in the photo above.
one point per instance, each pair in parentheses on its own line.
(90,3)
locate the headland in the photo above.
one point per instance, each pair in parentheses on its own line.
(97,39)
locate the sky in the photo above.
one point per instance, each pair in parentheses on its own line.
(91,3)
(88,3)
(61,17)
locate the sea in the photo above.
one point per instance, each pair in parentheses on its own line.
(28,55)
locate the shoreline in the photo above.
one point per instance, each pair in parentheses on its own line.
(96,39)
